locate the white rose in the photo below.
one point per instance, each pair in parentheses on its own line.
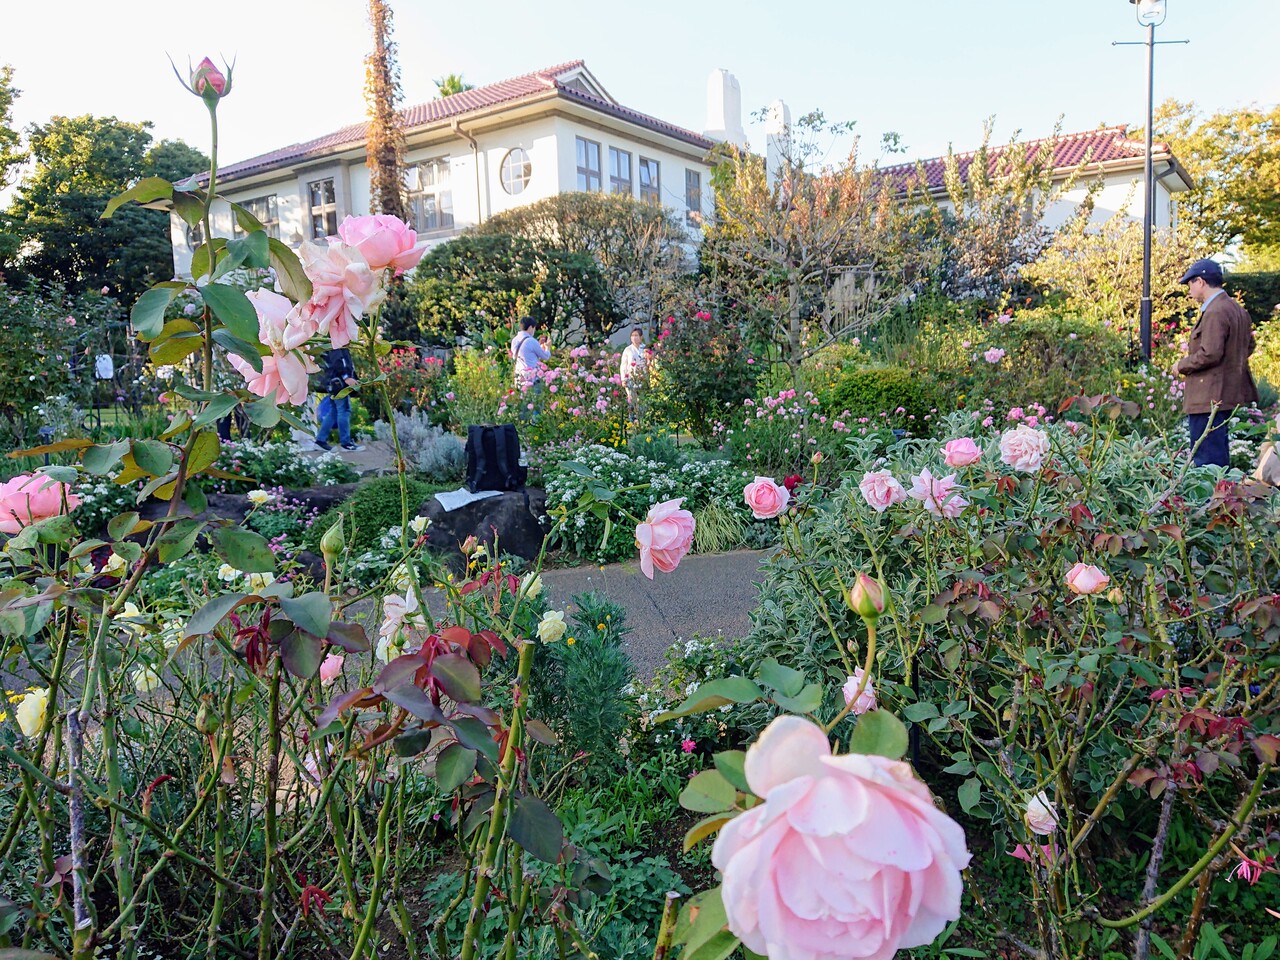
(227,573)
(257,582)
(259,497)
(552,626)
(32,712)
(531,585)
(145,679)
(1041,816)
(1024,448)
(418,524)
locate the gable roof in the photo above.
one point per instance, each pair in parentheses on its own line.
(571,80)
(1111,146)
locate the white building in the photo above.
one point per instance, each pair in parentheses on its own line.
(1108,153)
(478,153)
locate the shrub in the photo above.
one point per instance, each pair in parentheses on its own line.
(414,380)
(702,368)
(438,455)
(892,394)
(369,511)
(280,463)
(778,435)
(580,398)
(579,684)
(479,381)
(1265,362)
(718,528)
(1258,291)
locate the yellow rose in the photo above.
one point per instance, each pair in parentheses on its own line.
(33,711)
(552,626)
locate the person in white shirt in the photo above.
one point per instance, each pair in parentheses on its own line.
(634,370)
(528,354)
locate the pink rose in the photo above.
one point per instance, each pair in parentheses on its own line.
(880,490)
(206,72)
(285,376)
(29,497)
(866,700)
(961,452)
(765,498)
(664,537)
(847,857)
(384,241)
(279,326)
(331,668)
(1024,448)
(343,289)
(1085,578)
(940,495)
(994,355)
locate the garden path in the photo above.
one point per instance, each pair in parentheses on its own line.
(709,595)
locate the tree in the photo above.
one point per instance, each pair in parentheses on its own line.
(80,163)
(11,152)
(640,248)
(478,286)
(995,224)
(452,83)
(1234,158)
(384,149)
(814,256)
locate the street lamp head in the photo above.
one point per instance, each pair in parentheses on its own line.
(1150,13)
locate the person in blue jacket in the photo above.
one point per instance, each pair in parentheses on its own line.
(340,373)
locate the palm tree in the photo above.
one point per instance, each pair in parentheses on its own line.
(452,83)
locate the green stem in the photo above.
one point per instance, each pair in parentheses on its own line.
(266,915)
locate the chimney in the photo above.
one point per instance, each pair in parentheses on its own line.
(777,130)
(724,109)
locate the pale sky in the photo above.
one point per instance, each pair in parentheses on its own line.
(931,70)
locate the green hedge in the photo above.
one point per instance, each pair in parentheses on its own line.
(869,391)
(1260,292)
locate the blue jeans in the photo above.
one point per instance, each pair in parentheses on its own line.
(1214,450)
(334,410)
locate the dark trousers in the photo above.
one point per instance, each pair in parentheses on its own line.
(1214,449)
(335,411)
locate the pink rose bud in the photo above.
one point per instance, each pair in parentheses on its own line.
(206,73)
(859,703)
(816,458)
(1041,816)
(866,598)
(331,668)
(1085,579)
(961,452)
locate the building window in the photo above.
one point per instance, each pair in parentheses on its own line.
(431,196)
(516,171)
(619,171)
(265,210)
(324,209)
(650,186)
(588,166)
(195,235)
(693,196)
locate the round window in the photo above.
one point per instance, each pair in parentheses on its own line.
(516,170)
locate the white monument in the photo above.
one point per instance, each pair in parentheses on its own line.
(724,109)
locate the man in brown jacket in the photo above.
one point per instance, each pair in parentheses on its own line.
(1216,367)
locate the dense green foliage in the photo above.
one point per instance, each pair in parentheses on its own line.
(870,391)
(371,509)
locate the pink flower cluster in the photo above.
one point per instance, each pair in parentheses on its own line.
(347,275)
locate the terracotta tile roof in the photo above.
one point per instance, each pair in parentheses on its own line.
(1103,145)
(446,108)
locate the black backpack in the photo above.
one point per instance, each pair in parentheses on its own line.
(493,458)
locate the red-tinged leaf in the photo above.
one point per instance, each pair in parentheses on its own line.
(398,672)
(1140,777)
(480,712)
(339,704)
(469,587)
(302,653)
(494,641)
(1172,529)
(458,677)
(411,698)
(459,636)
(1266,747)
(478,651)
(1156,787)
(539,731)
(349,636)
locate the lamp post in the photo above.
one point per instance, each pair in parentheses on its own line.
(1151,14)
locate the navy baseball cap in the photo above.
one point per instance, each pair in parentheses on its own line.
(1206,269)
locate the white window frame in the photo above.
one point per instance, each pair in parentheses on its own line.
(270,222)
(587,173)
(328,209)
(511,184)
(651,193)
(617,182)
(693,196)
(431,180)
